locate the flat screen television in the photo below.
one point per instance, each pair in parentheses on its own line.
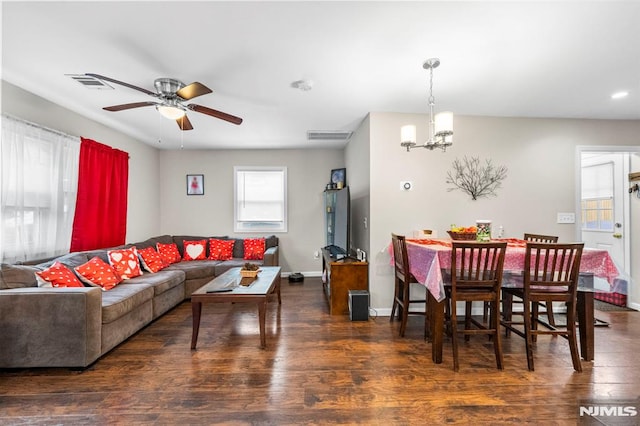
(342,228)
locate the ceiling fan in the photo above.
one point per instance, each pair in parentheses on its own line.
(171,95)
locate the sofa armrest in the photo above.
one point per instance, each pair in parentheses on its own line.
(50,327)
(271,257)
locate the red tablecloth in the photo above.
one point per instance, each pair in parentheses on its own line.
(427,258)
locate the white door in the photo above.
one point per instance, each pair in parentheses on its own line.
(603,203)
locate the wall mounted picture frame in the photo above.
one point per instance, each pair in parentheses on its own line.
(338,178)
(195,184)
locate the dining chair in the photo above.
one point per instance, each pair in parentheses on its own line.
(548,307)
(476,275)
(551,273)
(403,281)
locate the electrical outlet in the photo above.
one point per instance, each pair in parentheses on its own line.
(316,254)
(566,218)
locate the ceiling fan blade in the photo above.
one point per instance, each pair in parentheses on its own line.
(122,83)
(184,123)
(192,90)
(128,106)
(213,113)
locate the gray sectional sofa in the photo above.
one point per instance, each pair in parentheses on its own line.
(73,327)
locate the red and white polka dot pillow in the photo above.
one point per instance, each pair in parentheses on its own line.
(254,248)
(221,249)
(169,252)
(125,262)
(57,275)
(151,260)
(195,250)
(98,273)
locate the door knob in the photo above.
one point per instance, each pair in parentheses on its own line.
(617,235)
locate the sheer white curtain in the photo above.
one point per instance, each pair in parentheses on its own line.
(38,184)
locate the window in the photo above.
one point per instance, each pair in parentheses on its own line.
(39,183)
(597,197)
(260,199)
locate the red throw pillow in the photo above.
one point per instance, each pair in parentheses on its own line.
(254,248)
(151,260)
(169,253)
(98,273)
(125,262)
(195,250)
(221,249)
(57,275)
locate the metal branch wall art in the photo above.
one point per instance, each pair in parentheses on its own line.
(476,178)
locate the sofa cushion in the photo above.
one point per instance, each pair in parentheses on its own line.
(18,276)
(238,248)
(169,252)
(180,239)
(197,269)
(271,241)
(98,273)
(220,249)
(151,260)
(254,248)
(151,242)
(57,275)
(124,299)
(70,259)
(195,250)
(125,262)
(161,281)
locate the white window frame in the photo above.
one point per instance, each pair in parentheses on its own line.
(258,225)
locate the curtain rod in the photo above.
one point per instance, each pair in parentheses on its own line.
(39,126)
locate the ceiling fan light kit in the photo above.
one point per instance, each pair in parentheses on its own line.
(440,125)
(171,95)
(170,112)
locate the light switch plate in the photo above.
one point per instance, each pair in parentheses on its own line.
(566,218)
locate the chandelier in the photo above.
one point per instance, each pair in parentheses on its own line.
(440,125)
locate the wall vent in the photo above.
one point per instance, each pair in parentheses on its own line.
(328,135)
(89,82)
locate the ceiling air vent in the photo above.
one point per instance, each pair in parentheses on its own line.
(89,82)
(328,135)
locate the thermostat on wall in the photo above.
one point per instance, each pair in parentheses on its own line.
(406,185)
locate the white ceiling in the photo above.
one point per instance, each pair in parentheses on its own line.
(524,59)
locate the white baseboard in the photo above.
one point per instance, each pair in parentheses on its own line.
(310,274)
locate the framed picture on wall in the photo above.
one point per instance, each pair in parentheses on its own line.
(195,184)
(339,178)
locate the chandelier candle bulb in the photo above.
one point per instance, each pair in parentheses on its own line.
(408,133)
(444,123)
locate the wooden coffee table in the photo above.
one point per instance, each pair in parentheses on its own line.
(227,289)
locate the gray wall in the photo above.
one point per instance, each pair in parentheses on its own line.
(212,214)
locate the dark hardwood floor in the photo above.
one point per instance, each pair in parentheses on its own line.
(320,369)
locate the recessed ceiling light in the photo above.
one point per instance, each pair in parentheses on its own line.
(619,95)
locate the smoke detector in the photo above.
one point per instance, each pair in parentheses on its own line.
(304,85)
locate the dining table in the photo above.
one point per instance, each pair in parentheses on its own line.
(430,262)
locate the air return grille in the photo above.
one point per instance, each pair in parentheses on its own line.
(328,135)
(89,82)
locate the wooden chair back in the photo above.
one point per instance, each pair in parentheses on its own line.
(551,271)
(539,238)
(477,265)
(400,257)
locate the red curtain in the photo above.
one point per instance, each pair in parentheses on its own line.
(100,219)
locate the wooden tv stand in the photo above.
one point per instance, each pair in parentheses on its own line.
(338,277)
